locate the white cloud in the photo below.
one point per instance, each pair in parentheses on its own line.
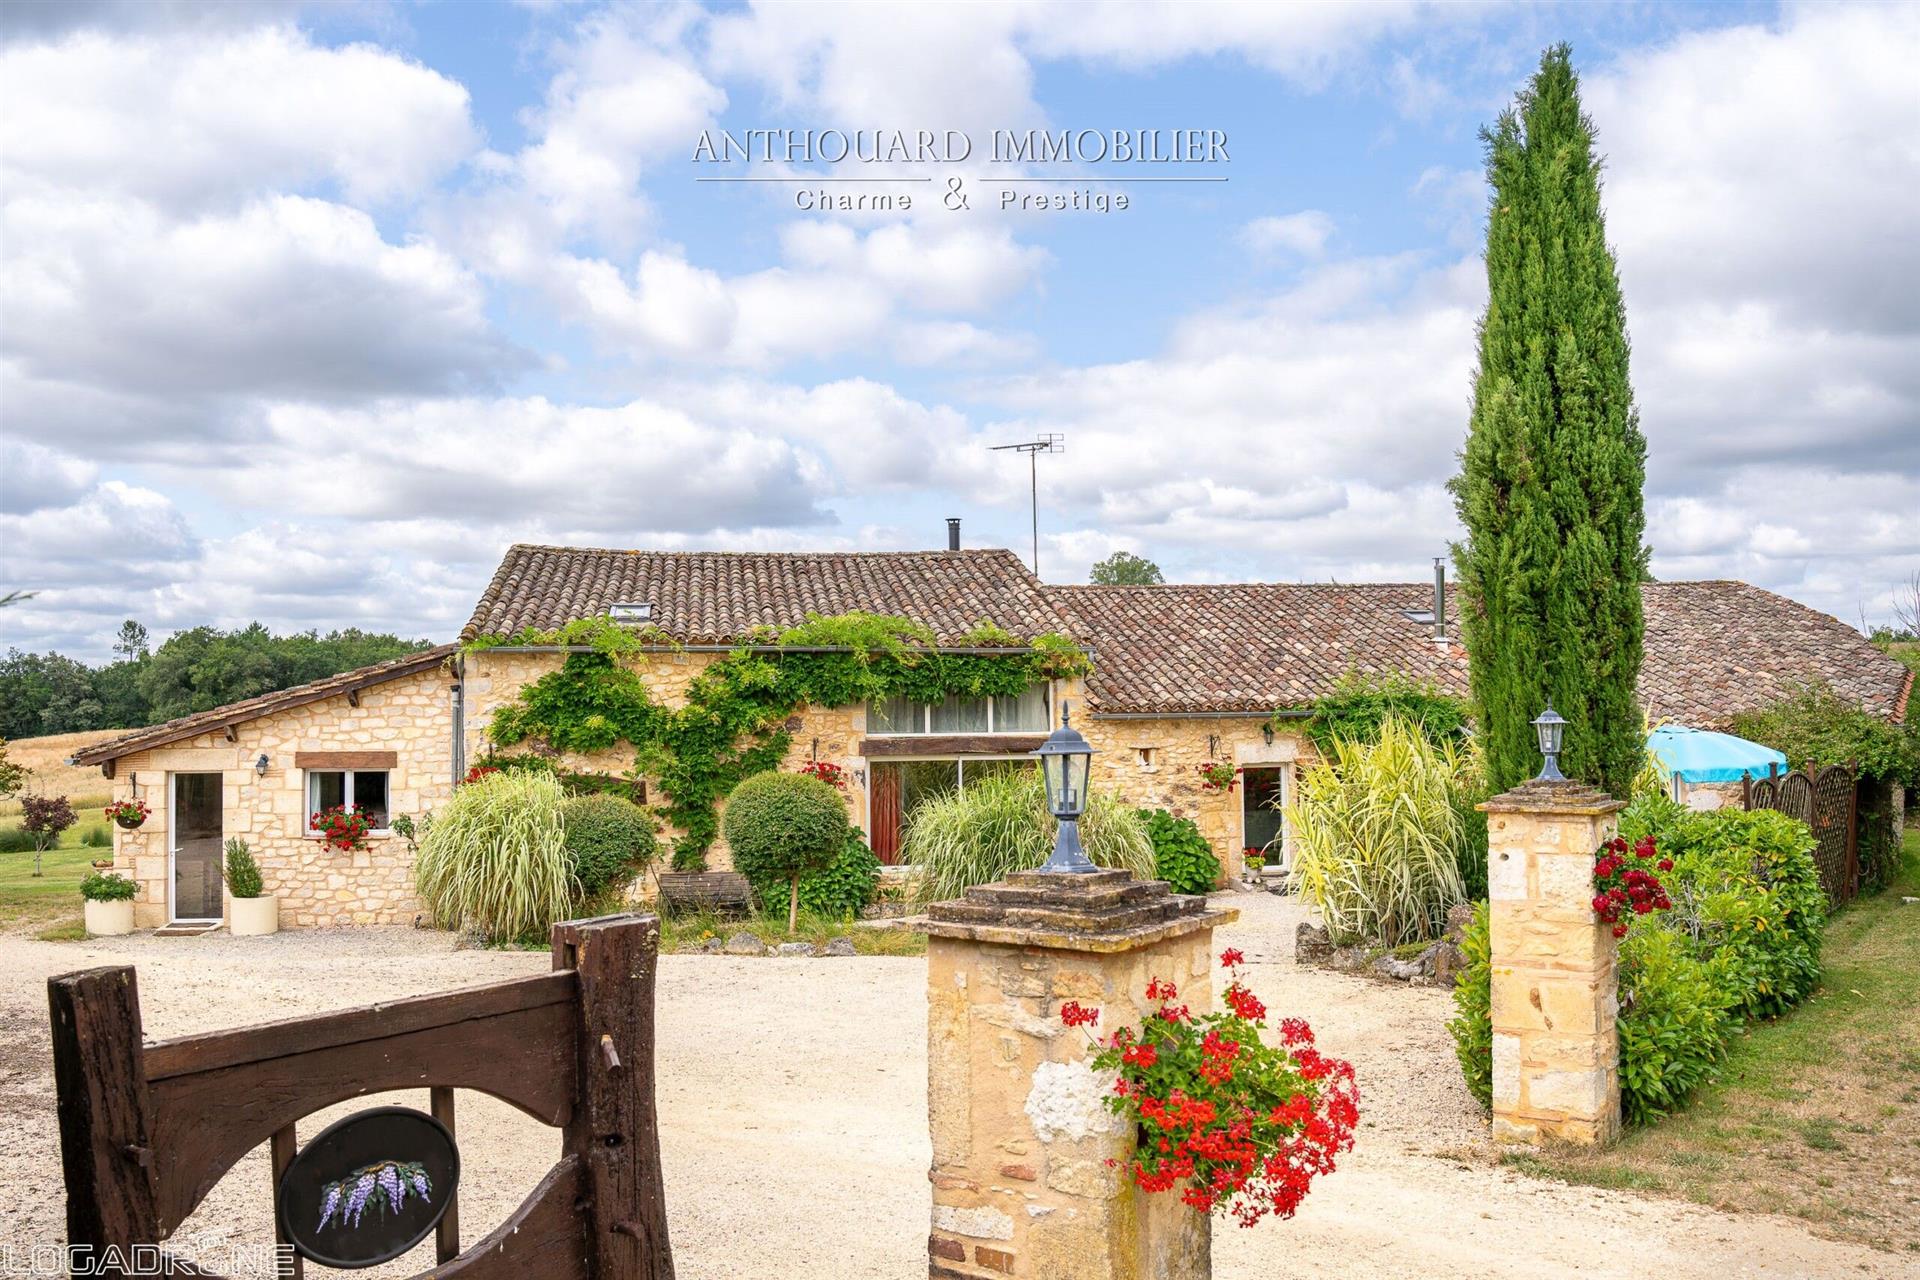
(1302,235)
(112,530)
(192,120)
(33,477)
(287,296)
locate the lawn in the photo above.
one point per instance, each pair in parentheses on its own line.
(51,899)
(1815,1115)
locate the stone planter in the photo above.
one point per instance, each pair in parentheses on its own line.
(107,918)
(250,917)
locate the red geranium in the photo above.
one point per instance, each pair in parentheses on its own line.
(479,771)
(828,772)
(1217,776)
(1236,1125)
(1621,882)
(341,828)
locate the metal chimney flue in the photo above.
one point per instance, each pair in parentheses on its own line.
(953,533)
(1440,600)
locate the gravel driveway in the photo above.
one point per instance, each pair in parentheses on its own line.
(792,1102)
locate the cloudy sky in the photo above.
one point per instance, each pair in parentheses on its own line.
(307,312)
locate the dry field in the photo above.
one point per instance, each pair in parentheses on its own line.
(793,1125)
(53,776)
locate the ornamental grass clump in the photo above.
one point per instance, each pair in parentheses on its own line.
(1377,836)
(496,858)
(1000,825)
(783,827)
(1231,1123)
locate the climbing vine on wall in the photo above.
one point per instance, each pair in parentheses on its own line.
(733,723)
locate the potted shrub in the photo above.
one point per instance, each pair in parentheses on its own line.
(109,903)
(128,815)
(1256,860)
(253,910)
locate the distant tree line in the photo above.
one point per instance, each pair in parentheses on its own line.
(197,670)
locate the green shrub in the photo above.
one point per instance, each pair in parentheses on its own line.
(1472,1024)
(784,826)
(496,859)
(96,838)
(1000,825)
(1674,1022)
(1357,705)
(242,870)
(844,886)
(16,840)
(107,887)
(1378,837)
(608,841)
(1815,725)
(1181,855)
(1746,893)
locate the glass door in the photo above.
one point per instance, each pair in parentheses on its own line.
(1263,792)
(197,829)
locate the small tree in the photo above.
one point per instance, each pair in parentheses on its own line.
(44,818)
(13,777)
(131,643)
(785,825)
(1124,569)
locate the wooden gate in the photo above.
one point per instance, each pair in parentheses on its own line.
(1826,799)
(146,1130)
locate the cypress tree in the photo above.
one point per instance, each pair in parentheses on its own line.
(1550,480)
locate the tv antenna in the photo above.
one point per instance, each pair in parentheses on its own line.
(1046,442)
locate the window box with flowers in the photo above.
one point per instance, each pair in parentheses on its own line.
(345,807)
(341,828)
(1231,1124)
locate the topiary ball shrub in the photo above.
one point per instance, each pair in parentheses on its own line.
(609,840)
(1181,855)
(783,826)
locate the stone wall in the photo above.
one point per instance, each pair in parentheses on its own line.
(410,716)
(1154,764)
(832,734)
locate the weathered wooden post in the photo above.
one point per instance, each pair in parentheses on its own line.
(1029,1166)
(1556,1051)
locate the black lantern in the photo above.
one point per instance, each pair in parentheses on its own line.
(1066,759)
(1550,728)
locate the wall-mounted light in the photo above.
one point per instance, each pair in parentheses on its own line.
(1213,746)
(1266,731)
(260,765)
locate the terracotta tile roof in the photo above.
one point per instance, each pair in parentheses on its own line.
(200,722)
(1715,648)
(713,597)
(1251,646)
(1712,648)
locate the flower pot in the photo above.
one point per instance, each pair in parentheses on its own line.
(249,917)
(107,918)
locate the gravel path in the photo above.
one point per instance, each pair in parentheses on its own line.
(792,1101)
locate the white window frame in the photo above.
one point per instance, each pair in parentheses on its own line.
(927,730)
(346,793)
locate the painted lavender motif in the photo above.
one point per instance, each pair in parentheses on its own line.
(394,1180)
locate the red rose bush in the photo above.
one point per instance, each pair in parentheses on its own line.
(1622,884)
(1235,1125)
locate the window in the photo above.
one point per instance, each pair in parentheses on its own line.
(1144,755)
(901,786)
(1020,713)
(349,788)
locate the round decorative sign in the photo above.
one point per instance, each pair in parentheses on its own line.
(369,1187)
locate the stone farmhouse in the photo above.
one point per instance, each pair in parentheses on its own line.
(1183,676)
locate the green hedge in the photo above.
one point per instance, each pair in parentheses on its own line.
(1741,941)
(1181,855)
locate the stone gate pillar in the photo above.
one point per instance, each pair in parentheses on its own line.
(1556,1051)
(1029,1167)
